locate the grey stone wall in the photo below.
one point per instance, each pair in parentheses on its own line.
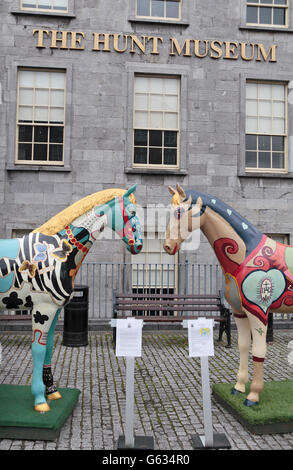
(98,114)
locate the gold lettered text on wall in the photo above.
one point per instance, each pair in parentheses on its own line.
(144,44)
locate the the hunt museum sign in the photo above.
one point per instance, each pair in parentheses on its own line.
(119,42)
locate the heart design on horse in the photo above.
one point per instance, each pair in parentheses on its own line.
(262,288)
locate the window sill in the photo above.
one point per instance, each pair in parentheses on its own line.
(65,169)
(134,19)
(270,29)
(42,13)
(156,171)
(256,174)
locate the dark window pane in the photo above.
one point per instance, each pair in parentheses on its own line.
(280,2)
(250,160)
(279,16)
(25,133)
(143,7)
(170,139)
(157,8)
(278,160)
(24,152)
(251,142)
(155,156)
(252,1)
(56,153)
(264,142)
(140,155)
(56,134)
(267,1)
(155,138)
(265,15)
(170,156)
(172,9)
(251,15)
(264,160)
(140,137)
(41,134)
(40,152)
(28,5)
(278,143)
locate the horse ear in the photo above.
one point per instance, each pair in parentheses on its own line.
(130,191)
(181,191)
(171,190)
(199,202)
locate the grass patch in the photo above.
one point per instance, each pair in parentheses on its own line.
(274,413)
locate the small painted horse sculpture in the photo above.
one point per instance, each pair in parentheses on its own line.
(37,271)
(258,272)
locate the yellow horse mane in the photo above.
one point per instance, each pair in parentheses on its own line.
(78,208)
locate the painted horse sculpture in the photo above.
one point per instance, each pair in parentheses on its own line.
(258,272)
(37,271)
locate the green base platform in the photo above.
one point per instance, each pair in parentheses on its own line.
(272,415)
(19,420)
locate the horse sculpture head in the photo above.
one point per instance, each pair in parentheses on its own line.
(122,218)
(185,217)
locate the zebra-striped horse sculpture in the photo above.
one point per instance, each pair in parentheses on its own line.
(37,271)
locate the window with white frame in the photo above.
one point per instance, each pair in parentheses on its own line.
(267,12)
(159,9)
(45,5)
(156,121)
(40,116)
(266,126)
(153,270)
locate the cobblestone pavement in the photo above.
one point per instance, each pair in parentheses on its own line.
(168,399)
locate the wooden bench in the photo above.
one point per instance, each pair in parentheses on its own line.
(173,308)
(15,317)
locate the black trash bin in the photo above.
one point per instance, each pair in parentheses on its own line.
(75,329)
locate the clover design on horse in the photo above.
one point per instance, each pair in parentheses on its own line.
(258,272)
(37,271)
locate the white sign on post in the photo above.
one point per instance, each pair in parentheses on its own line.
(200,337)
(128,337)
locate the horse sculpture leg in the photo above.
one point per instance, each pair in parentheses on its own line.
(244,341)
(258,331)
(41,325)
(51,390)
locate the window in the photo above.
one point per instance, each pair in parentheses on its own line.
(45,5)
(40,117)
(266,126)
(159,9)
(267,12)
(280,237)
(156,121)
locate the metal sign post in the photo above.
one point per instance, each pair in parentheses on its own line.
(200,339)
(128,344)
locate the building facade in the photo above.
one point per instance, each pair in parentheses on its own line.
(98,94)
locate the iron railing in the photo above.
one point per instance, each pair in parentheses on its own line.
(105,278)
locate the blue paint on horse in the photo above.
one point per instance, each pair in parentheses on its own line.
(9,248)
(248,232)
(6,282)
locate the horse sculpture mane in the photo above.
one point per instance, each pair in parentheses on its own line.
(78,208)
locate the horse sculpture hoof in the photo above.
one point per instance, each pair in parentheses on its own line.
(54,396)
(42,407)
(234,391)
(250,402)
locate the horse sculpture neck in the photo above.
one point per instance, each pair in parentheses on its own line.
(220,223)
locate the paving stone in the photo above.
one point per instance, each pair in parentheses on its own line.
(168,396)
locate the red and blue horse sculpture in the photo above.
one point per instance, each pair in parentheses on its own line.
(258,272)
